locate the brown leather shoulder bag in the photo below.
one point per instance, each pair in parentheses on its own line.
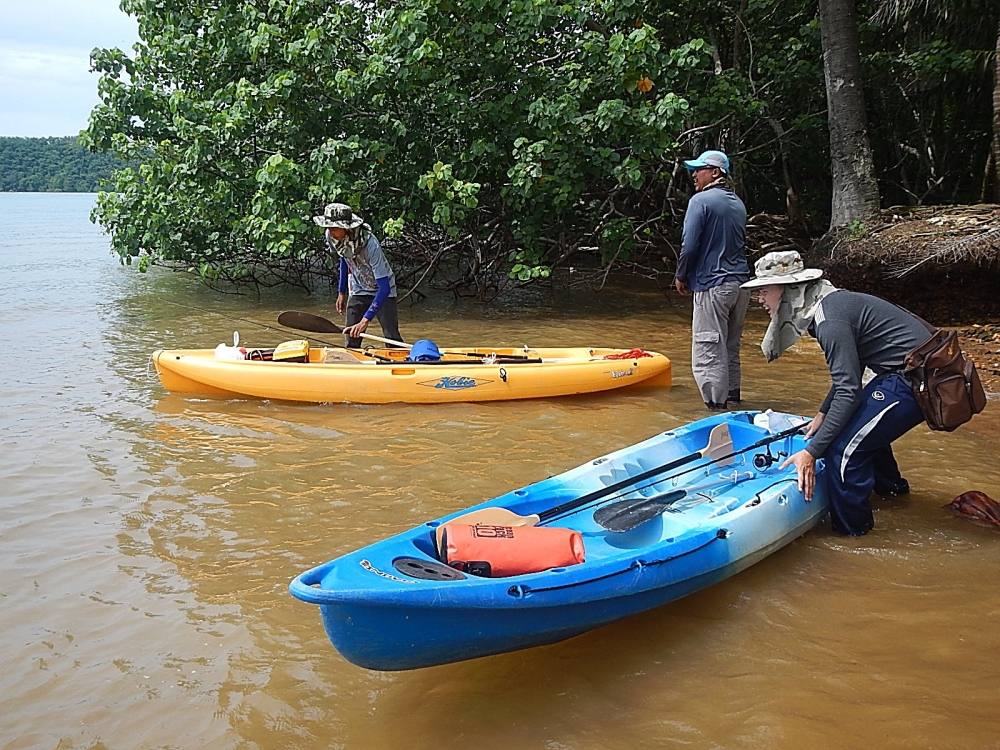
(945,383)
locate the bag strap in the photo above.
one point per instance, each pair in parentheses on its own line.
(928,326)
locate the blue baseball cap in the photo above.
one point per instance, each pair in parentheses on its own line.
(709,159)
(424,350)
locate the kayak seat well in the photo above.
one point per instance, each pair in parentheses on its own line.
(333,356)
(426,544)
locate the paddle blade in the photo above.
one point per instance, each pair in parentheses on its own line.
(303,321)
(720,445)
(625,515)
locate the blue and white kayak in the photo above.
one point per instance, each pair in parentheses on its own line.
(694,514)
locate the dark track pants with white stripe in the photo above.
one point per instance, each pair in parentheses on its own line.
(861,458)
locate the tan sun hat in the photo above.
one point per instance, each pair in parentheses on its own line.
(784,267)
(339,215)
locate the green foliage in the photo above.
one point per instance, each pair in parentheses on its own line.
(506,124)
(522,272)
(856,230)
(52,165)
(452,199)
(505,137)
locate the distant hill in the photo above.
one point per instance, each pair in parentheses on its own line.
(51,165)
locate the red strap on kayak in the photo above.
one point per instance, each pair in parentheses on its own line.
(630,354)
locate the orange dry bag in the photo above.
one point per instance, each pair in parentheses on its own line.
(498,551)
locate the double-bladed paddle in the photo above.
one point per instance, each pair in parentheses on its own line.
(719,441)
(303,321)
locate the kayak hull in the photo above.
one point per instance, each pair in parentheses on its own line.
(380,617)
(560,372)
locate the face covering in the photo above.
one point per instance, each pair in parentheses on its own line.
(795,313)
(353,243)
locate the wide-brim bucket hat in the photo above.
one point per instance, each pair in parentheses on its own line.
(783,267)
(339,215)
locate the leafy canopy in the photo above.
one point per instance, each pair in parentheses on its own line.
(522,129)
(490,140)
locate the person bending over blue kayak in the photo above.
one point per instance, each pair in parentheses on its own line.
(856,424)
(366,283)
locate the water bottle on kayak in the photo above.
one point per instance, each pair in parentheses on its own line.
(776,421)
(231,352)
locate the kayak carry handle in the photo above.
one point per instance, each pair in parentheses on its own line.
(303,586)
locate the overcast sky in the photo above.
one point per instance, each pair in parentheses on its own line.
(46,87)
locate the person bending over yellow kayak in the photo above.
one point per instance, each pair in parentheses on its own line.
(366,283)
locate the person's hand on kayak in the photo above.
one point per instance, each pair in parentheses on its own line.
(813,427)
(341,303)
(805,465)
(357,329)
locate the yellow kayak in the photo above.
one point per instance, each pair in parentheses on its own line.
(379,376)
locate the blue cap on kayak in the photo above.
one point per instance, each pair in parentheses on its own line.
(424,350)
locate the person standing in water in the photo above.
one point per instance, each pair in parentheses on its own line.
(712,265)
(366,283)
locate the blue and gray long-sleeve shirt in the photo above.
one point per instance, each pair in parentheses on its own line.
(856,331)
(713,249)
(368,273)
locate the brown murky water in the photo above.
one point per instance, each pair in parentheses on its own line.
(147,541)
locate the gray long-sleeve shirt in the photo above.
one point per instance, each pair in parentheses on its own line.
(856,331)
(713,248)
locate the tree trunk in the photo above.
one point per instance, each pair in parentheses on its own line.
(793,209)
(855,190)
(996,120)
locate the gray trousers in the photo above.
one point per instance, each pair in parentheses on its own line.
(716,327)
(388,316)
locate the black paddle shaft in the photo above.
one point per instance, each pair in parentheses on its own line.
(590,497)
